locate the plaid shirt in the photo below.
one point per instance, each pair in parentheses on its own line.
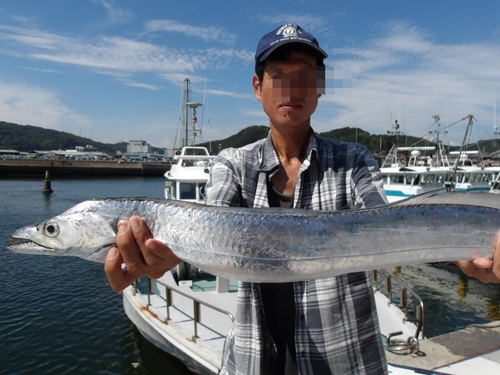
(336,325)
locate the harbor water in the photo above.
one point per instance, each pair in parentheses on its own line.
(59,316)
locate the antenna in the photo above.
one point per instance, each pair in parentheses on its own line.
(193,106)
(495,127)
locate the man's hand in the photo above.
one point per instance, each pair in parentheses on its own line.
(141,254)
(484,269)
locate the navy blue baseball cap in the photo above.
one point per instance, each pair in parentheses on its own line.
(287,33)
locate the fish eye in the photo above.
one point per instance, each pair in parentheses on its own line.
(51,229)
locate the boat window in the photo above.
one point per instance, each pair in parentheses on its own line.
(187,191)
(196,151)
(397,179)
(427,180)
(440,179)
(477,177)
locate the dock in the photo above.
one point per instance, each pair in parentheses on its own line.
(32,167)
(457,351)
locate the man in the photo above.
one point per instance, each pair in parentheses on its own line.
(317,326)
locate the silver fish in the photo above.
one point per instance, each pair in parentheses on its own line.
(281,245)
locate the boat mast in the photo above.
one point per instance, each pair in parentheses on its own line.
(187,105)
(495,127)
(441,158)
(391,159)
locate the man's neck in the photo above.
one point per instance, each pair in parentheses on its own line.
(290,144)
(291,147)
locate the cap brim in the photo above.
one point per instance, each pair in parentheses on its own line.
(313,47)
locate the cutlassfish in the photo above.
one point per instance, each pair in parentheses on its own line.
(281,245)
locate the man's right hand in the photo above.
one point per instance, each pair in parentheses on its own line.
(140,252)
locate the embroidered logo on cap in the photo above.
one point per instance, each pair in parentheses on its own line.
(288,31)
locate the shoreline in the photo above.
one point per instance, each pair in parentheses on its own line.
(21,167)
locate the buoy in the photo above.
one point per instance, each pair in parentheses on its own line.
(46,184)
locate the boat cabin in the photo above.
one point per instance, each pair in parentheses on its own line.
(188,175)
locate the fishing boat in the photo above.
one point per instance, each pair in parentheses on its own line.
(188,312)
(405,177)
(188,174)
(402,182)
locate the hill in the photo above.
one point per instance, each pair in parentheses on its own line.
(375,143)
(242,138)
(28,138)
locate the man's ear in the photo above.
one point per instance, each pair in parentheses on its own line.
(256,87)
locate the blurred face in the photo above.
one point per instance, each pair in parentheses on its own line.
(296,84)
(289,89)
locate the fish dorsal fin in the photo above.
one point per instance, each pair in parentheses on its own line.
(442,196)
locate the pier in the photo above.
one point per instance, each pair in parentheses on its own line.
(457,348)
(32,167)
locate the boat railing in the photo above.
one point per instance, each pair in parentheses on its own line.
(495,185)
(197,303)
(194,157)
(386,278)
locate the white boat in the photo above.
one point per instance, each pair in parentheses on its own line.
(424,174)
(189,318)
(419,173)
(188,312)
(406,182)
(188,175)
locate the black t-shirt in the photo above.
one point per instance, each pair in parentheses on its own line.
(279,305)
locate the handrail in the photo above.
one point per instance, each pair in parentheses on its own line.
(196,303)
(419,318)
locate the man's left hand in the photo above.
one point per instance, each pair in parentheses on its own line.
(485,269)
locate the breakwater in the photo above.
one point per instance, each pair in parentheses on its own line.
(21,167)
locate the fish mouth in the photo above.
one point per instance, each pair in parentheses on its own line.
(26,246)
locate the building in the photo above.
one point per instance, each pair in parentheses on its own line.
(138,147)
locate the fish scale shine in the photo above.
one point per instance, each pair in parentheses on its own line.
(280,245)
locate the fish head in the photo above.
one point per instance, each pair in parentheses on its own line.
(87,235)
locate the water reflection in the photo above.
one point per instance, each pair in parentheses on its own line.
(452,300)
(462,287)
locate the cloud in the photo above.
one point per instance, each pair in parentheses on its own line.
(42,70)
(121,54)
(115,14)
(206,33)
(32,37)
(114,53)
(36,106)
(402,74)
(230,94)
(132,83)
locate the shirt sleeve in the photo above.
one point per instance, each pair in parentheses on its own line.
(224,186)
(367,181)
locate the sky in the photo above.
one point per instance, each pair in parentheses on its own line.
(113,70)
